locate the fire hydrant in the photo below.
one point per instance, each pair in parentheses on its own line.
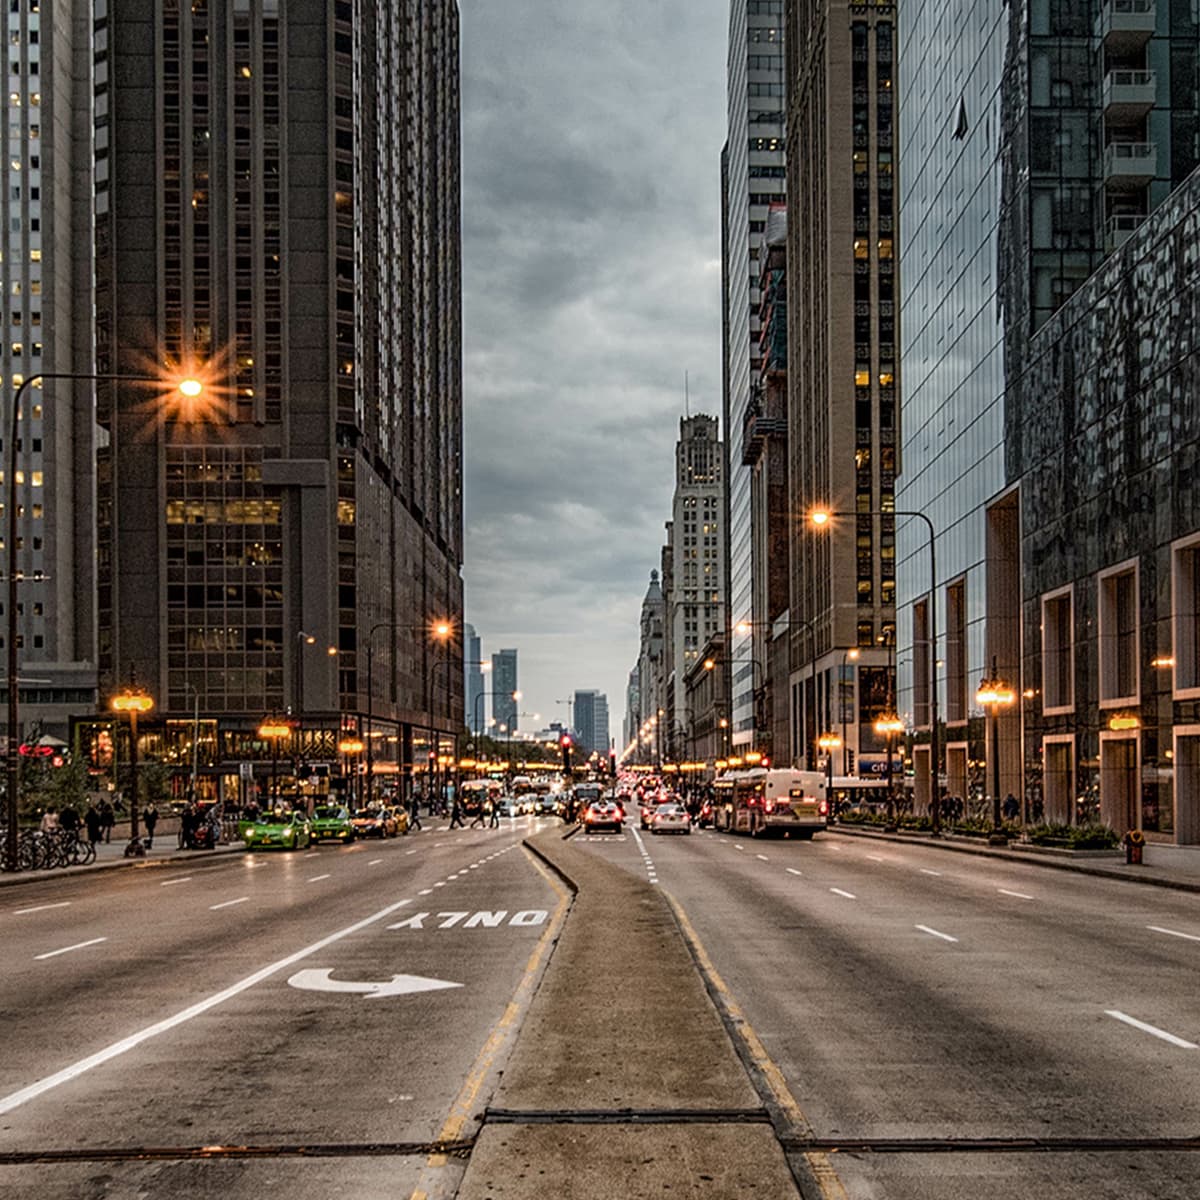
(1135,839)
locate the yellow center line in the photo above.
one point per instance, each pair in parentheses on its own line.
(824,1174)
(464,1103)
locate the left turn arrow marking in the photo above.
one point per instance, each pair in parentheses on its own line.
(318,980)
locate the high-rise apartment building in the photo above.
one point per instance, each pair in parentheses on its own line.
(46,275)
(506,705)
(842,367)
(694,593)
(473,667)
(651,670)
(752,179)
(277,209)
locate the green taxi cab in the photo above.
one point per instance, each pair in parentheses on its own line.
(331,823)
(282,830)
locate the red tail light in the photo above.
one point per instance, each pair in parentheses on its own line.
(824,808)
(770,806)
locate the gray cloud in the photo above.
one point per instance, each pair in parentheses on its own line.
(591,243)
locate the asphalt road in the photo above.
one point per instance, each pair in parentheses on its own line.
(928,1010)
(271,1002)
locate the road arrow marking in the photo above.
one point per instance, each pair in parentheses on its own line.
(318,980)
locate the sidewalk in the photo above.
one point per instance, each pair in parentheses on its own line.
(623,1081)
(1176,867)
(110,855)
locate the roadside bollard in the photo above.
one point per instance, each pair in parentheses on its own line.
(1135,839)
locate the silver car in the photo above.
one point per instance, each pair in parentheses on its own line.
(671,818)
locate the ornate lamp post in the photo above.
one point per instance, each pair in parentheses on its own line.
(274,730)
(994,694)
(889,725)
(829,742)
(134,701)
(350,748)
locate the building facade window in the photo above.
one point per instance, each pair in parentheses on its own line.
(1058,652)
(1118,634)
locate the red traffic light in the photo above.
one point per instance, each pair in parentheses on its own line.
(565,740)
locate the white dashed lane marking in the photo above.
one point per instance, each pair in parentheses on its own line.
(318,878)
(793,871)
(937,934)
(1151,1029)
(20,912)
(1024,896)
(839,892)
(68,949)
(1191,937)
(228,903)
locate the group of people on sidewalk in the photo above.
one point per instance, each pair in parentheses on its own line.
(98,820)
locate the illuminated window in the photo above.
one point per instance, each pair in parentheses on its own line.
(37,478)
(862,375)
(886,378)
(885,247)
(860,248)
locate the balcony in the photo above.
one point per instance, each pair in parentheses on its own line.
(1128,96)
(1119,229)
(1129,165)
(1125,26)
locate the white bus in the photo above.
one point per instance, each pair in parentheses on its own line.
(761,802)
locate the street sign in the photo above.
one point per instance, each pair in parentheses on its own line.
(318,980)
(246,770)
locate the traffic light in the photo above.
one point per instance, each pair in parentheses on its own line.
(612,764)
(565,743)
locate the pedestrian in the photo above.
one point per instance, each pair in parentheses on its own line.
(1011,807)
(49,821)
(483,810)
(494,805)
(456,815)
(150,816)
(108,818)
(68,819)
(414,811)
(91,819)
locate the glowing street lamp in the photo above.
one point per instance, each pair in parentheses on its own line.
(274,730)
(189,388)
(134,701)
(829,742)
(994,694)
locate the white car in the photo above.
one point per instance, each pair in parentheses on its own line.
(670,818)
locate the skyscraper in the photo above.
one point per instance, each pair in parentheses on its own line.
(277,208)
(752,174)
(473,665)
(506,705)
(842,373)
(46,272)
(695,590)
(589,718)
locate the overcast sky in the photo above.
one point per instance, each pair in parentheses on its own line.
(592,133)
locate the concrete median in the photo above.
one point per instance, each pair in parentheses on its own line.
(624,1081)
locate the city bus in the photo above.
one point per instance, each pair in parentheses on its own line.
(764,801)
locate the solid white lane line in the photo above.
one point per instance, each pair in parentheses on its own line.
(793,871)
(839,892)
(1024,896)
(1151,1029)
(937,934)
(763,857)
(67,950)
(927,871)
(318,878)
(24,1095)
(228,903)
(1191,937)
(20,912)
(172,882)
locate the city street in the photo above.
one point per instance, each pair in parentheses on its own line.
(909,994)
(320,1020)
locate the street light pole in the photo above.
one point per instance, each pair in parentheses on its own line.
(820,517)
(191,388)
